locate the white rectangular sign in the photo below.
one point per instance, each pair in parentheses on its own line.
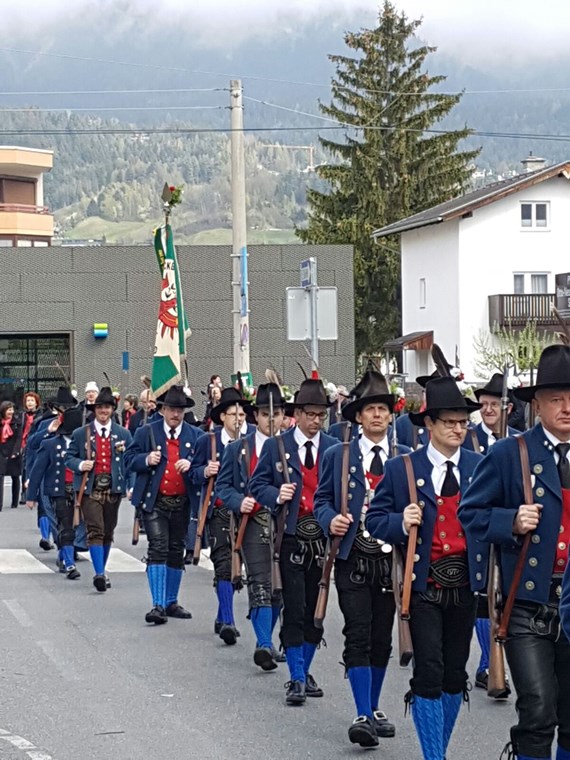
(299,314)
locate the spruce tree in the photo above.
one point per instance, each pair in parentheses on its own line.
(386,166)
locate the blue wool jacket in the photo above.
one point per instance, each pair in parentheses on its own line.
(147,479)
(77,453)
(328,496)
(232,483)
(482,438)
(405,432)
(49,467)
(384,518)
(268,476)
(490,504)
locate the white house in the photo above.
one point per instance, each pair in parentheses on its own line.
(488,257)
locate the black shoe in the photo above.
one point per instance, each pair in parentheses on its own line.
(14,506)
(482,679)
(44,543)
(157,616)
(107,582)
(188,557)
(100,583)
(73,573)
(217,627)
(278,656)
(263,656)
(176,610)
(228,634)
(363,732)
(312,688)
(295,694)
(383,727)
(501,694)
(60,564)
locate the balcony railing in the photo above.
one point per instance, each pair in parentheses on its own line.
(515,309)
(23,208)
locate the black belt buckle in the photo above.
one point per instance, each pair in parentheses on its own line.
(102,481)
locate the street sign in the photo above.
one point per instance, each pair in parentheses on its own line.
(307,277)
(299,314)
(562,282)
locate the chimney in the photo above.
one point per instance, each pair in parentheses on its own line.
(533,163)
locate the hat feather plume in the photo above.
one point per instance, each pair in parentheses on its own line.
(440,362)
(272,376)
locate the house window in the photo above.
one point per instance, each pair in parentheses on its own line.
(530,282)
(534,215)
(539,283)
(519,284)
(422,293)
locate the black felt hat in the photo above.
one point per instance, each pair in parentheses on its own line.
(553,372)
(423,380)
(443,393)
(104,397)
(229,397)
(289,406)
(373,388)
(312,393)
(176,398)
(63,399)
(72,419)
(493,388)
(262,398)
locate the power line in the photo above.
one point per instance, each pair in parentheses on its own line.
(114,92)
(33,109)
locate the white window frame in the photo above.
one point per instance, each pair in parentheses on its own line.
(528,280)
(423,293)
(535,226)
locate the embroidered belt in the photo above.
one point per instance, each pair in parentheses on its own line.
(261,518)
(450,572)
(308,529)
(102,482)
(223,514)
(366,544)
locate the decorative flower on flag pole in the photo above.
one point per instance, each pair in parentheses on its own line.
(397,390)
(171,197)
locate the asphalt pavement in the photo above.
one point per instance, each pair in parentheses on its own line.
(83,677)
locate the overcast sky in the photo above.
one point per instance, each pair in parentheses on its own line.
(474,28)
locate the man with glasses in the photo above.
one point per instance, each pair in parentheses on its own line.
(495,509)
(303,546)
(229,417)
(448,568)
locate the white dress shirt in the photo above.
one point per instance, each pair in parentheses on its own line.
(260,439)
(439,471)
(366,446)
(301,439)
(99,427)
(554,441)
(177,431)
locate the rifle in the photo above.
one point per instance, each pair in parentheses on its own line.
(136,518)
(521,561)
(205,505)
(497,683)
(404,636)
(276,581)
(84,479)
(333,544)
(236,556)
(412,543)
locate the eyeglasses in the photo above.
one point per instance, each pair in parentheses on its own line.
(316,415)
(450,424)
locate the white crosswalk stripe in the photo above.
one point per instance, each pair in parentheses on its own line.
(20,561)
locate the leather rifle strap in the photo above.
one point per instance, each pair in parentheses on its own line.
(412,542)
(411,479)
(519,567)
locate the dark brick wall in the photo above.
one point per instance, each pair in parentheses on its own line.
(68,289)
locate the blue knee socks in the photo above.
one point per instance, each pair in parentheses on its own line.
(376,682)
(308,654)
(428,720)
(275,616)
(296,663)
(173,580)
(44,526)
(106,552)
(360,681)
(451,704)
(97,558)
(261,621)
(156,575)
(68,556)
(483,631)
(225,592)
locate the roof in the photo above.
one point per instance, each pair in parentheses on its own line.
(466,204)
(415,341)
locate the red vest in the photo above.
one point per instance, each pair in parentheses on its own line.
(310,483)
(373,480)
(172,483)
(448,536)
(103,454)
(252,466)
(68,476)
(561,557)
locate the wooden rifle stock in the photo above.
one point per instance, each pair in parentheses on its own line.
(521,561)
(84,479)
(412,543)
(405,647)
(205,505)
(244,518)
(136,530)
(276,580)
(236,556)
(333,544)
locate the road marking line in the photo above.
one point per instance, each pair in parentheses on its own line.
(20,743)
(20,561)
(19,612)
(121,562)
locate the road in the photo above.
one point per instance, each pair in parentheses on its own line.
(84,678)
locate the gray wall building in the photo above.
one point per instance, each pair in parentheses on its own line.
(50,298)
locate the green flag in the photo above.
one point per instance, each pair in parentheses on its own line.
(171,332)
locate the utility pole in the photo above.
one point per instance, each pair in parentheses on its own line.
(240,282)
